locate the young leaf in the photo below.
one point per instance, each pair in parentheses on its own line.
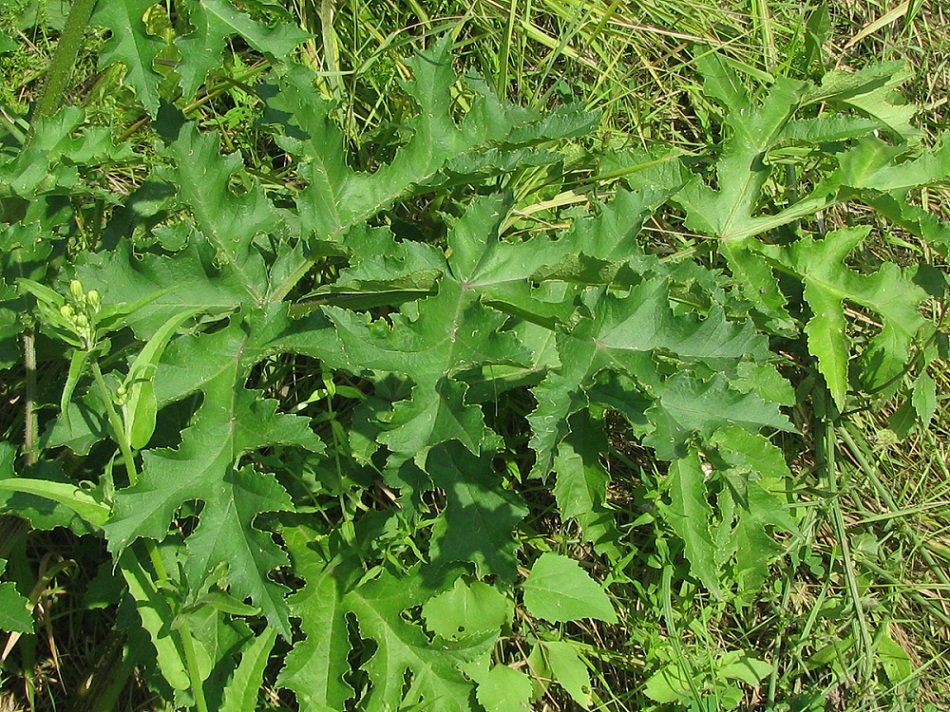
(559,590)
(242,691)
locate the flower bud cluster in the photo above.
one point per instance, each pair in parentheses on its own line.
(80,313)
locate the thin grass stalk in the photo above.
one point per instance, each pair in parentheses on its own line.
(884,494)
(859,623)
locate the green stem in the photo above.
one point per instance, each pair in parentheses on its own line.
(191,660)
(30,422)
(115,422)
(65,57)
(859,624)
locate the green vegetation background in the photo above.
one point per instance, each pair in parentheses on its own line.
(635,63)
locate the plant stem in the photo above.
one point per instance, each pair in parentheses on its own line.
(191,660)
(115,422)
(29,415)
(64,57)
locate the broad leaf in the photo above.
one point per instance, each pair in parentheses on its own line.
(626,335)
(687,406)
(467,609)
(480,517)
(559,590)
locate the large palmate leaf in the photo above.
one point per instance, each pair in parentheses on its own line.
(625,335)
(731,211)
(231,421)
(213,24)
(751,197)
(830,286)
(337,197)
(407,668)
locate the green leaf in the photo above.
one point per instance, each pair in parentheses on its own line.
(440,337)
(131,45)
(231,422)
(140,417)
(503,689)
(15,614)
(479,519)
(874,91)
(403,647)
(467,609)
(242,691)
(830,286)
(155,612)
(736,665)
(895,661)
(314,669)
(336,197)
(569,670)
(69,495)
(215,22)
(581,485)
(229,222)
(726,212)
(689,514)
(559,590)
(924,398)
(687,406)
(668,684)
(625,335)
(141,406)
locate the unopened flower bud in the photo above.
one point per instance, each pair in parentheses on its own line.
(75,289)
(92,298)
(66,311)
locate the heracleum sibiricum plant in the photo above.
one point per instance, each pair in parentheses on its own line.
(354,515)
